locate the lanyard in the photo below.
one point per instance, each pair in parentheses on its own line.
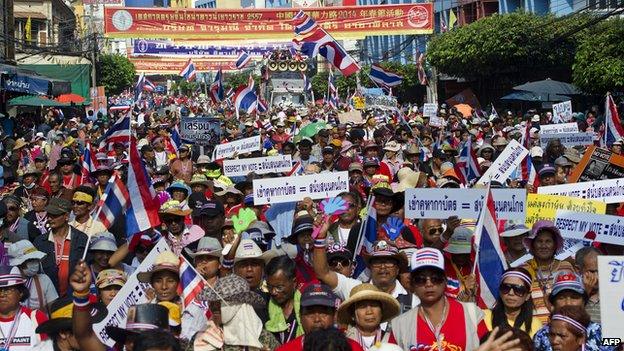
(361,339)
(58,254)
(14,225)
(14,326)
(438,328)
(287,337)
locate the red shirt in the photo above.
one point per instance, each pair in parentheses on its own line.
(453,331)
(297,345)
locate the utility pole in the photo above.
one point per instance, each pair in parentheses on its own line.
(93,60)
(7,31)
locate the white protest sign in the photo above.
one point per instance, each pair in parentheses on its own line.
(289,189)
(574,225)
(436,121)
(430,109)
(611,290)
(608,190)
(559,128)
(505,163)
(132,293)
(464,203)
(562,112)
(258,165)
(240,146)
(569,139)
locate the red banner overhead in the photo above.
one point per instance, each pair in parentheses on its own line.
(350,22)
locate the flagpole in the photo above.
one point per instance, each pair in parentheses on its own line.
(606,123)
(358,246)
(479,229)
(96,214)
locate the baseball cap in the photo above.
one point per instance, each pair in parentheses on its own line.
(110,277)
(58,206)
(210,208)
(460,243)
(566,280)
(546,169)
(338,251)
(427,258)
(319,295)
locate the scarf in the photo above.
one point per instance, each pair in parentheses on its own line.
(277,322)
(241,326)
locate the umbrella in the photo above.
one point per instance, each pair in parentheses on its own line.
(465,109)
(35,101)
(311,129)
(534,97)
(549,86)
(69,98)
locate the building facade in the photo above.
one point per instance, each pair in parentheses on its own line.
(43,23)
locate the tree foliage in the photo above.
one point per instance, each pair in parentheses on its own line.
(234,80)
(599,61)
(116,73)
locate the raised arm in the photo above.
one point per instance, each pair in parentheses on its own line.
(80,281)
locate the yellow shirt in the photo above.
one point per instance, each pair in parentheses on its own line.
(536,324)
(89,227)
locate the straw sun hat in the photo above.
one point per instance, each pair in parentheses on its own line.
(366,292)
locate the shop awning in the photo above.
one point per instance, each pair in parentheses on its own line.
(34,101)
(24,81)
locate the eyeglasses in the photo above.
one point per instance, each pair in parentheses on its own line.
(344,262)
(435,230)
(277,289)
(173,219)
(80,203)
(422,279)
(519,290)
(383,263)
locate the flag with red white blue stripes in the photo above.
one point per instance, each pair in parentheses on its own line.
(191,282)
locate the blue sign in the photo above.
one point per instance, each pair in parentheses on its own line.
(161,48)
(25,84)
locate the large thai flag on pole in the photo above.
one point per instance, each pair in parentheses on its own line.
(191,282)
(216,88)
(245,99)
(138,87)
(332,91)
(119,132)
(188,71)
(142,213)
(613,125)
(467,167)
(490,262)
(303,23)
(114,201)
(88,163)
(149,86)
(242,60)
(385,77)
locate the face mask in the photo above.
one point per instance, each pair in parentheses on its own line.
(31,269)
(30,186)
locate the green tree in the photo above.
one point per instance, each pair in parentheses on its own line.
(599,61)
(500,51)
(116,73)
(184,87)
(234,80)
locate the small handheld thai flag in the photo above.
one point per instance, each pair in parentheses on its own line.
(216,88)
(188,71)
(242,60)
(262,105)
(149,86)
(467,167)
(613,125)
(332,91)
(366,238)
(191,282)
(114,201)
(88,163)
(119,132)
(490,263)
(385,77)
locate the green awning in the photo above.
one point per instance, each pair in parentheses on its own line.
(35,101)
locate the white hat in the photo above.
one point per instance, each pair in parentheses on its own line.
(514,228)
(460,241)
(206,246)
(536,118)
(537,151)
(248,249)
(392,146)
(104,241)
(427,257)
(22,251)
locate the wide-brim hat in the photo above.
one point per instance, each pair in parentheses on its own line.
(514,229)
(142,317)
(19,143)
(249,250)
(102,169)
(22,251)
(173,208)
(61,316)
(199,179)
(232,289)
(408,179)
(10,276)
(165,261)
(207,246)
(390,307)
(392,146)
(539,227)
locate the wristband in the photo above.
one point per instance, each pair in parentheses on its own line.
(227,263)
(82,308)
(81,294)
(81,301)
(320,243)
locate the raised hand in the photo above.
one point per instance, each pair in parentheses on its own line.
(80,280)
(334,206)
(393,227)
(245,217)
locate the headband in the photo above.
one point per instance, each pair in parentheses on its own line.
(525,278)
(80,196)
(575,324)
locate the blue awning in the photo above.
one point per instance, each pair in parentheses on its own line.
(25,83)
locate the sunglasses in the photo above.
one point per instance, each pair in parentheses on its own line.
(80,203)
(344,262)
(519,290)
(435,230)
(436,279)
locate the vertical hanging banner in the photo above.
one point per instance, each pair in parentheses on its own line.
(345,22)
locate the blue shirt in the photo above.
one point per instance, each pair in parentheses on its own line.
(593,343)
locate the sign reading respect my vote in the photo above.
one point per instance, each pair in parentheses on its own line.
(574,225)
(289,189)
(236,147)
(609,191)
(464,203)
(257,165)
(505,164)
(544,207)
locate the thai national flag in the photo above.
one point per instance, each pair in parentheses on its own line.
(303,23)
(216,88)
(262,105)
(114,201)
(307,85)
(366,237)
(297,169)
(138,87)
(490,262)
(332,91)
(191,282)
(119,132)
(467,168)
(245,99)
(142,212)
(149,86)
(188,71)
(384,77)
(613,125)
(175,141)
(242,60)
(88,163)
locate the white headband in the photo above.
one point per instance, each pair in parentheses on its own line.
(525,278)
(571,321)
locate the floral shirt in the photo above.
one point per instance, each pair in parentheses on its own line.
(593,343)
